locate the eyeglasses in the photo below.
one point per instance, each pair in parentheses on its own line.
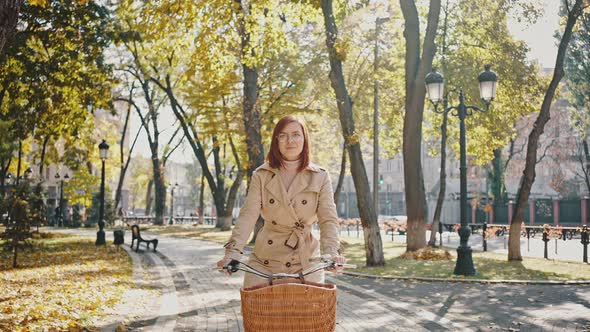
(296,137)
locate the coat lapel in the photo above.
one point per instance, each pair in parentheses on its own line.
(276,188)
(300,182)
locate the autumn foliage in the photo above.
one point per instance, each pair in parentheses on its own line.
(65,284)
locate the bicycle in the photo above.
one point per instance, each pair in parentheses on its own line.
(288,302)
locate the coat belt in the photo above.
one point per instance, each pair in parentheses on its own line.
(296,239)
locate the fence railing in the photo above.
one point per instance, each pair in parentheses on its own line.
(178,220)
(547,232)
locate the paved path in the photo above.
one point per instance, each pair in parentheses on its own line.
(569,250)
(186,294)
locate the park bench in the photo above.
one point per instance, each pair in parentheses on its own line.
(136,235)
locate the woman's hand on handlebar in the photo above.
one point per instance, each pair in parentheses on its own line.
(222,263)
(337,260)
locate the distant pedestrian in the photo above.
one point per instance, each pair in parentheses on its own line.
(291,194)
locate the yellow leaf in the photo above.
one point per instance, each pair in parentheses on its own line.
(40,3)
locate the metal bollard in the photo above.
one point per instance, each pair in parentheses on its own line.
(483,235)
(585,240)
(545,239)
(119,236)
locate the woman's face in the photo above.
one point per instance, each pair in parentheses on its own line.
(291,141)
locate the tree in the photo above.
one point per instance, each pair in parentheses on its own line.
(467,42)
(416,67)
(9,10)
(577,73)
(251,115)
(373,244)
(572,12)
(124,164)
(19,219)
(55,75)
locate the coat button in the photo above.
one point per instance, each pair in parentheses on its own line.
(304,202)
(274,222)
(269,241)
(265,262)
(288,264)
(272,201)
(297,224)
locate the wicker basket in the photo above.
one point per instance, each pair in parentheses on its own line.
(289,305)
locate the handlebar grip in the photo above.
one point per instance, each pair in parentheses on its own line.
(232,266)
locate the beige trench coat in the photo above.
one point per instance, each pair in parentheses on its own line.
(285,244)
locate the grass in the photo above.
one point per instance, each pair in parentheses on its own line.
(63,282)
(489,265)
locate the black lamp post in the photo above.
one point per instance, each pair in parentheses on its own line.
(104,154)
(435,90)
(171,221)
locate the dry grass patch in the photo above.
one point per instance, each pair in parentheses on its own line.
(63,283)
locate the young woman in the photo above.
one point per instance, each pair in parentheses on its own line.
(291,194)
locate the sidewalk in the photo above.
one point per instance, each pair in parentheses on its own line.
(569,250)
(191,296)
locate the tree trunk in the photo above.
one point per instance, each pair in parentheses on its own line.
(159,190)
(416,68)
(341,176)
(9,11)
(586,164)
(233,191)
(202,201)
(219,195)
(373,243)
(43,151)
(498,188)
(4,172)
(148,197)
(123,164)
(249,107)
(442,179)
(528,177)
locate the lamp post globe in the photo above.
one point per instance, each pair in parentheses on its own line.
(435,86)
(435,89)
(488,81)
(104,154)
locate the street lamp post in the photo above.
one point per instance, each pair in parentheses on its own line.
(435,90)
(171,221)
(104,154)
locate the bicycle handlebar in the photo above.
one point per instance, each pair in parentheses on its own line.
(235,266)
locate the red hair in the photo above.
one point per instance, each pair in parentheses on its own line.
(274,157)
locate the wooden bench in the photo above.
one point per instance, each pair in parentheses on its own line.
(136,235)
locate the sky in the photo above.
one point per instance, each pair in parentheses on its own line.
(538,36)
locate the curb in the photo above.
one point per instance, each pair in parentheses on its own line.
(468,281)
